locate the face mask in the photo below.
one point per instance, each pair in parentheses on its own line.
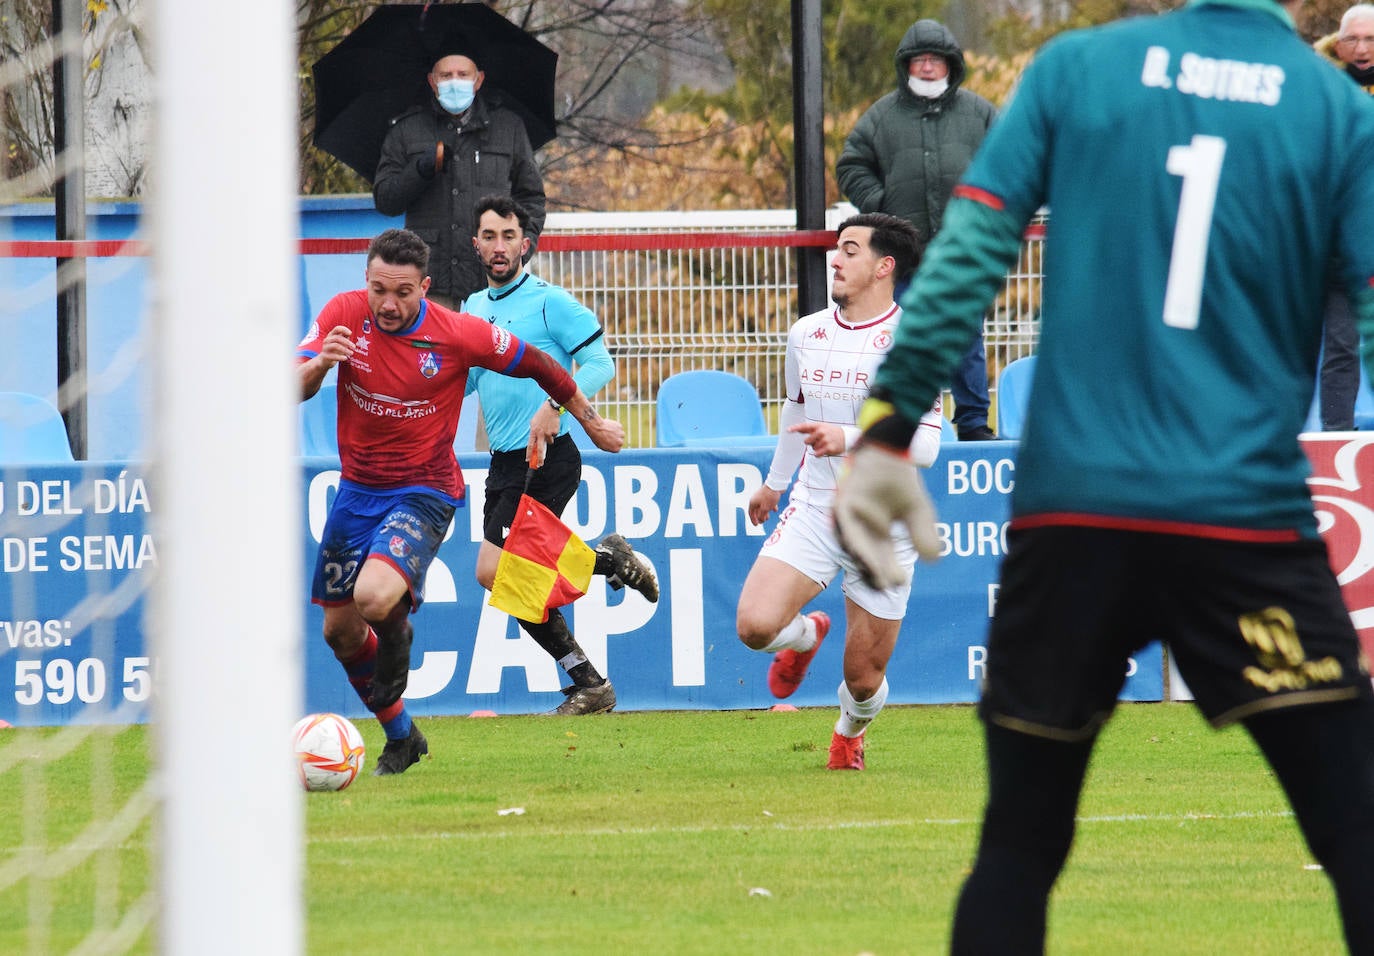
(927,88)
(456,95)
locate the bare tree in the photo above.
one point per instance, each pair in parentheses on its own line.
(26,98)
(673,92)
(114,57)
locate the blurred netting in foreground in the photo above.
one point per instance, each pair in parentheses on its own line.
(75,841)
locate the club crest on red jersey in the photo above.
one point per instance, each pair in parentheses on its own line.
(429,364)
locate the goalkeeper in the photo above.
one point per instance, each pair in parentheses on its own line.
(1197,187)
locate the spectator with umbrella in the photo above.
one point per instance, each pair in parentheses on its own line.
(439,157)
(458,98)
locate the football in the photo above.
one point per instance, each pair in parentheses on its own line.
(329,751)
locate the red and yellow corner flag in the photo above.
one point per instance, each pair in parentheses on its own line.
(543,565)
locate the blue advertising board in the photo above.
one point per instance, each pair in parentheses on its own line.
(78,558)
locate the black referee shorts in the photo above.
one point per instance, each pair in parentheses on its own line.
(552,484)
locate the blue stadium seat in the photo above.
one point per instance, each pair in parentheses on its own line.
(320,422)
(1364,403)
(1314,413)
(465,439)
(31,430)
(709,407)
(1013,390)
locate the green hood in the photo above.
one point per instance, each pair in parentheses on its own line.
(930,36)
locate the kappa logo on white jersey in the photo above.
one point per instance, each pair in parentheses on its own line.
(821,334)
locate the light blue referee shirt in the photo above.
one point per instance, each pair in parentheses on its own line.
(550,319)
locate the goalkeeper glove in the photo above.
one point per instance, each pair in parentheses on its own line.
(879,488)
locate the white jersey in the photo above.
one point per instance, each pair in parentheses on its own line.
(830,367)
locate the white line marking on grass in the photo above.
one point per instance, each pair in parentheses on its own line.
(1185,817)
(536,830)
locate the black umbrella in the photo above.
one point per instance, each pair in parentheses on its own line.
(378,71)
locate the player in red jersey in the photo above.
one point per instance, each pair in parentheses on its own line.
(403,365)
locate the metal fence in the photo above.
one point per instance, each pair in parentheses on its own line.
(694,299)
(674,309)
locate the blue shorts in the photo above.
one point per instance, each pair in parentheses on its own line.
(403,528)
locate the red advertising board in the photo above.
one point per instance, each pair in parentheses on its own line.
(1342,485)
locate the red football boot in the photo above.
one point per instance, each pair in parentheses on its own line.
(789,667)
(846,753)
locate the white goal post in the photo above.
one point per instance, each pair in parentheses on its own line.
(224,621)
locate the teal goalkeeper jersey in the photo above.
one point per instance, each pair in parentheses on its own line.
(549,318)
(1200,169)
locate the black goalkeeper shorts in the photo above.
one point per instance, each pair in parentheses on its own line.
(1252,626)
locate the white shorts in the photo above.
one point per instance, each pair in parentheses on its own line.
(805,539)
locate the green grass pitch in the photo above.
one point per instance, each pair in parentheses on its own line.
(711,833)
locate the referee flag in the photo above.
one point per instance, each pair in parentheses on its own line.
(543,564)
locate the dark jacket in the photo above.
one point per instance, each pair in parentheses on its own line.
(489,153)
(906,153)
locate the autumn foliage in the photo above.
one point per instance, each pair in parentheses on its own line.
(709,160)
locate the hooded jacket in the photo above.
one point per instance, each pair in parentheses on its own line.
(906,152)
(487,152)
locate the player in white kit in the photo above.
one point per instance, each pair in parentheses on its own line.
(831,359)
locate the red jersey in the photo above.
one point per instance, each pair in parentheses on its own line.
(400,394)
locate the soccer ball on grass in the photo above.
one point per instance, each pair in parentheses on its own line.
(329,751)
